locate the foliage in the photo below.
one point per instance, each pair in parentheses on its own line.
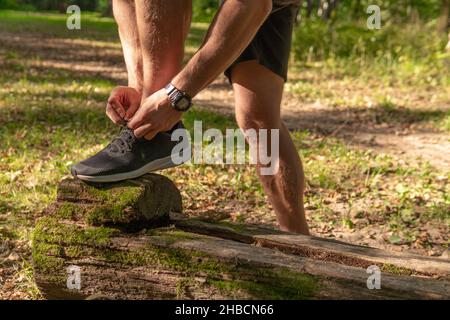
(9,4)
(203,10)
(356,9)
(409,42)
(317,40)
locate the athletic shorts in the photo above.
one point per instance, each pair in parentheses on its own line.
(271,45)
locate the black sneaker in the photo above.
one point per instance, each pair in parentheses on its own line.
(128,157)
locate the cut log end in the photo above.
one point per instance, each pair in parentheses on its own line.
(131,205)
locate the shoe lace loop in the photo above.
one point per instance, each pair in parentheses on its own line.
(123,143)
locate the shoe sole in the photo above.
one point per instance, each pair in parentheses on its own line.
(155,165)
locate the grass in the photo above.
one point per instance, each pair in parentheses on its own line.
(51,117)
(399,70)
(55,24)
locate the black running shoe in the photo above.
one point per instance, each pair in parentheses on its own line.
(128,157)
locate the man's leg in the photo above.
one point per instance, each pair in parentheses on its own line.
(258,94)
(163,27)
(125,16)
(152,33)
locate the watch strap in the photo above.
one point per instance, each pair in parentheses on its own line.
(175,96)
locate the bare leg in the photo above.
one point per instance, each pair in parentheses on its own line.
(163,27)
(125,15)
(258,93)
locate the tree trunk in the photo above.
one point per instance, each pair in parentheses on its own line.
(175,257)
(309,8)
(108,11)
(444,21)
(357,9)
(328,9)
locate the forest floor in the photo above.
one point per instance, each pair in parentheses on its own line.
(375,149)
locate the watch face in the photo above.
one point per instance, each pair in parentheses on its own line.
(183,104)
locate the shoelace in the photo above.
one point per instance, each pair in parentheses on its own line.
(123,143)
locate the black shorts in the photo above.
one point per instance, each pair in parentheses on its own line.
(271,45)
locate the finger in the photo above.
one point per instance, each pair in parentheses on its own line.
(130,113)
(112,114)
(151,135)
(117,106)
(143,130)
(136,120)
(132,110)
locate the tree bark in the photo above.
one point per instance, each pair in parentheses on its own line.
(357,9)
(96,229)
(329,8)
(108,11)
(444,21)
(309,8)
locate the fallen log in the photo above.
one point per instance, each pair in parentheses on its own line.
(130,241)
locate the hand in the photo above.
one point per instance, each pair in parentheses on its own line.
(123,104)
(155,115)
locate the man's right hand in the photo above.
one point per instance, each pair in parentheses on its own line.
(123,104)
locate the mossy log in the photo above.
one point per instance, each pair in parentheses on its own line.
(130,241)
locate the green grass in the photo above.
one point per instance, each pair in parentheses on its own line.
(402,196)
(52,117)
(93,26)
(400,70)
(413,52)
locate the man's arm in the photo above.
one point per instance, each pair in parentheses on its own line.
(234,26)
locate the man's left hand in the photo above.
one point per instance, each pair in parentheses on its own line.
(155,115)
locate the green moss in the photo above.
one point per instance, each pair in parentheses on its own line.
(390,268)
(182,285)
(169,258)
(52,240)
(239,228)
(122,193)
(272,285)
(46,257)
(224,275)
(170,235)
(191,262)
(49,230)
(110,204)
(68,210)
(114,213)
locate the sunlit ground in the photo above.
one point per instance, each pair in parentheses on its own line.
(53,88)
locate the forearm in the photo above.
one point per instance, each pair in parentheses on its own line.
(234,27)
(125,16)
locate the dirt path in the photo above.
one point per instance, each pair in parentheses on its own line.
(356,127)
(408,139)
(353,126)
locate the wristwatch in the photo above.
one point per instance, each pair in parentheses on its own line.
(179,100)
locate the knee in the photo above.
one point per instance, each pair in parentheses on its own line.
(249,120)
